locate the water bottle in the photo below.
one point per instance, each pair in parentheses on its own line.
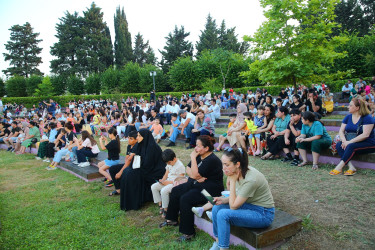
(336,104)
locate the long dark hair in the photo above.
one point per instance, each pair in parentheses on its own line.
(85,134)
(238,155)
(272,114)
(113,131)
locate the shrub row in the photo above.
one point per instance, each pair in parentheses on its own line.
(274,90)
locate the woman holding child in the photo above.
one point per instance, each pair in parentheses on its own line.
(203,126)
(234,132)
(204,172)
(250,202)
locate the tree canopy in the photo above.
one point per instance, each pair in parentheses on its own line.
(123,40)
(23,51)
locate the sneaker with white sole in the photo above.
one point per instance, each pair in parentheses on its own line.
(209,214)
(38,158)
(51,168)
(46,160)
(198,211)
(75,162)
(84,164)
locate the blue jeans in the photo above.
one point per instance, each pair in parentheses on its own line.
(176,132)
(59,154)
(73,154)
(248,215)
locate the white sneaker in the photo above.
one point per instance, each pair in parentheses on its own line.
(215,246)
(75,162)
(46,160)
(38,158)
(209,214)
(51,168)
(84,164)
(198,211)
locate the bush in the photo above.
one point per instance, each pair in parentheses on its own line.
(32,84)
(59,84)
(16,86)
(75,85)
(93,84)
(2,87)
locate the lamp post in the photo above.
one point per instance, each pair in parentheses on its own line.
(153,74)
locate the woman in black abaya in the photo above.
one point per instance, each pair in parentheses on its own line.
(136,183)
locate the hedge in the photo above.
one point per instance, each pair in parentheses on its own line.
(274,90)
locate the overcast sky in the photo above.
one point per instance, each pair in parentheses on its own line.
(153,19)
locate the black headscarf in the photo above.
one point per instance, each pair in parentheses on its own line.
(152,165)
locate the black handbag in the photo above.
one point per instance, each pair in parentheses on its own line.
(351,135)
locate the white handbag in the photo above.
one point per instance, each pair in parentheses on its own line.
(137,162)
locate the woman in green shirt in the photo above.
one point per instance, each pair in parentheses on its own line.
(313,135)
(250,203)
(34,133)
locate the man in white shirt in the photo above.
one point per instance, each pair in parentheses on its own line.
(214,111)
(187,124)
(345,91)
(1,105)
(164,111)
(223,91)
(174,108)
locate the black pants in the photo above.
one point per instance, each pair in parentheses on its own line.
(83,153)
(275,145)
(113,171)
(50,153)
(129,129)
(182,199)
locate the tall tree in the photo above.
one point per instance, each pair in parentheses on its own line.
(150,56)
(2,88)
(351,17)
(140,50)
(23,51)
(69,51)
(295,40)
(176,46)
(97,41)
(228,40)
(32,84)
(16,86)
(123,40)
(209,38)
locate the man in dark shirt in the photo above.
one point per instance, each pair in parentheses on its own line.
(51,107)
(372,82)
(293,130)
(134,107)
(314,104)
(185,106)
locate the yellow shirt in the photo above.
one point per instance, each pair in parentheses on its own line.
(250,126)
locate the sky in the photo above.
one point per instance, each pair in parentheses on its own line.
(153,19)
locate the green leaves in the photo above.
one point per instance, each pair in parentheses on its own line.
(16,86)
(294,42)
(45,88)
(23,51)
(123,41)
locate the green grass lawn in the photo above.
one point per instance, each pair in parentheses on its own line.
(54,209)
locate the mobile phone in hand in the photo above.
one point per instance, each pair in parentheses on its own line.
(208,196)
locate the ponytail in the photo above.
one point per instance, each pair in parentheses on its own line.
(238,155)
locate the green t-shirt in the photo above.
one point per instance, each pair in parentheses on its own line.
(255,187)
(35,131)
(316,128)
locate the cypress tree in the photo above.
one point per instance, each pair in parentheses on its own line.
(123,41)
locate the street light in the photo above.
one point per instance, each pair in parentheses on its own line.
(153,74)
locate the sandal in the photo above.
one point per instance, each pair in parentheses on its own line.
(303,164)
(350,172)
(168,223)
(164,214)
(113,193)
(161,209)
(185,237)
(315,167)
(334,172)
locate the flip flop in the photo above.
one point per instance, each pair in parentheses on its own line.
(334,172)
(315,167)
(350,172)
(113,193)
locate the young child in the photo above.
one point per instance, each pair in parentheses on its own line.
(52,134)
(114,149)
(157,130)
(261,122)
(174,123)
(162,188)
(223,137)
(117,170)
(251,129)
(252,109)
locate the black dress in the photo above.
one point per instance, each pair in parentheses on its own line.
(188,195)
(136,183)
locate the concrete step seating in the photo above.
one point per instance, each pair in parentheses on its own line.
(283,226)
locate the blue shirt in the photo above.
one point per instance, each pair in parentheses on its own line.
(52,135)
(281,124)
(316,128)
(352,128)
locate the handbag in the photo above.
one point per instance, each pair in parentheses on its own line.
(137,162)
(351,135)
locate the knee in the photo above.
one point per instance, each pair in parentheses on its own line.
(165,191)
(222,215)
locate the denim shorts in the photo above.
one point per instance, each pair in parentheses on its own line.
(111,163)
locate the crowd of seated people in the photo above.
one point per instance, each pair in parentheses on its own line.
(262,126)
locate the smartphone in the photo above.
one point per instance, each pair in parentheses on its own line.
(208,196)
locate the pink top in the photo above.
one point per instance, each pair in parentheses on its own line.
(368,89)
